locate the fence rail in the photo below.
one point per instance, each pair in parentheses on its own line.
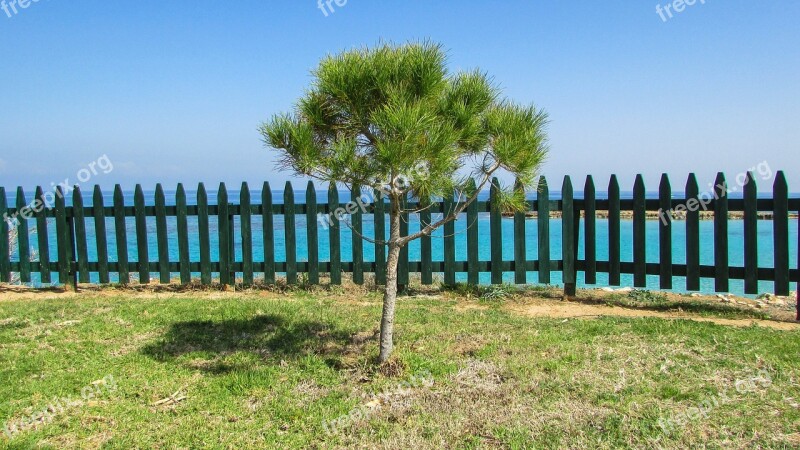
(71,260)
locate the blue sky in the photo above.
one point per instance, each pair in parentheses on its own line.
(175,91)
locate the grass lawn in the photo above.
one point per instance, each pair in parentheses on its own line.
(295,370)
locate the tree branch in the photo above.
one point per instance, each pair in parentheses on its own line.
(452,216)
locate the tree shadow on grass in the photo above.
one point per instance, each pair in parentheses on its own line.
(269,337)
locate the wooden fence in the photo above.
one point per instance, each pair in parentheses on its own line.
(71,261)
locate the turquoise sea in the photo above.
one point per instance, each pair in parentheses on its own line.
(736,246)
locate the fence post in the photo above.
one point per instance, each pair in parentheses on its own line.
(289,230)
(590,225)
(721,260)
(143,255)
(781,234)
(496,231)
(223,229)
(750,235)
(543,224)
(614,233)
(520,271)
(692,236)
(568,246)
(449,243)
(43,236)
(312,235)
(245,217)
(334,235)
(5,260)
(473,276)
(639,233)
(665,232)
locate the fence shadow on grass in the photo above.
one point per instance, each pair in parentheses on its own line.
(271,337)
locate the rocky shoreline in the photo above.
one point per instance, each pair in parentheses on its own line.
(653,215)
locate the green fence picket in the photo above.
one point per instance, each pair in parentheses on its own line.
(614,233)
(426,243)
(43,236)
(268,230)
(62,239)
(590,227)
(81,245)
(473,274)
(334,234)
(750,235)
(721,261)
(101,241)
(120,228)
(379,217)
(665,232)
(204,230)
(496,232)
(568,230)
(246,219)
(780,217)
(543,224)
(290,234)
(639,234)
(520,272)
(403,264)
(692,236)
(23,237)
(357,230)
(5,259)
(143,260)
(162,238)
(184,262)
(224,234)
(449,237)
(312,234)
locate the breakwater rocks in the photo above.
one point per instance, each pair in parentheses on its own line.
(654,215)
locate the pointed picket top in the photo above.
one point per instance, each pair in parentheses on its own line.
(750,182)
(566,187)
(222,194)
(494,190)
(119,196)
(244,193)
(692,185)
(638,185)
(613,185)
(588,186)
(665,186)
(542,189)
(780,185)
(721,185)
(201,191)
(160,191)
(38,195)
(288,193)
(311,192)
(21,203)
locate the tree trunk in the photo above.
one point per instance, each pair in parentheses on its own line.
(390,293)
